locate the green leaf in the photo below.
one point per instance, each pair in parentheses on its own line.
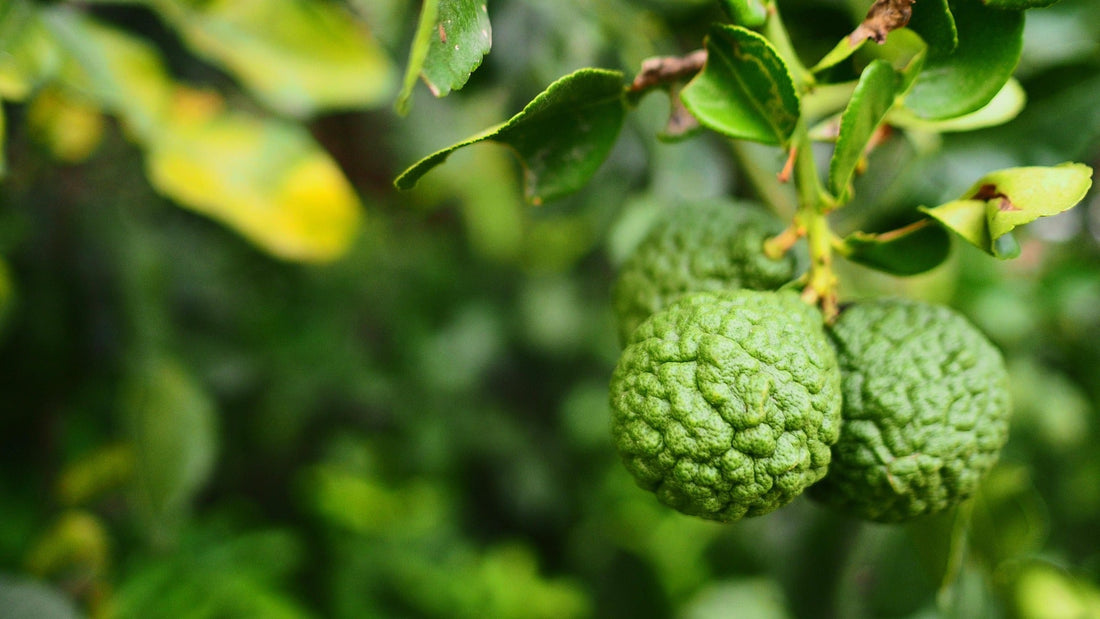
(298,57)
(933,21)
(28,55)
(873,97)
(843,49)
(745,90)
(3,166)
(463,37)
(747,13)
(906,251)
(418,53)
(1018,5)
(26,599)
(124,74)
(1005,199)
(1004,107)
(959,83)
(561,137)
(172,425)
(266,179)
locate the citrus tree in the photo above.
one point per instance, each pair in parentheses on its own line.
(747,314)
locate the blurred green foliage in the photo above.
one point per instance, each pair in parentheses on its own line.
(418,427)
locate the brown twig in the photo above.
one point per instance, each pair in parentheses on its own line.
(667,69)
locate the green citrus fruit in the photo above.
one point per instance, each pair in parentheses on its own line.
(725,403)
(697,247)
(926,408)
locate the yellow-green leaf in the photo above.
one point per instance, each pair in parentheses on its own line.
(28,55)
(297,56)
(122,73)
(266,179)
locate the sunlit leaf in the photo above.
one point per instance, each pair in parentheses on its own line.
(123,74)
(77,542)
(955,84)
(266,179)
(297,56)
(463,36)
(561,137)
(172,426)
(28,55)
(907,251)
(26,599)
(745,90)
(103,470)
(873,97)
(747,13)
(418,52)
(1005,199)
(1004,107)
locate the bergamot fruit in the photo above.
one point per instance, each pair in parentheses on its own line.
(697,247)
(725,403)
(926,410)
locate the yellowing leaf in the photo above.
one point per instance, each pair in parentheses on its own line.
(266,179)
(122,73)
(69,127)
(297,56)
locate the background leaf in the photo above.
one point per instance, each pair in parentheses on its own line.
(28,55)
(745,90)
(747,13)
(463,37)
(1019,5)
(266,179)
(561,137)
(172,423)
(906,251)
(933,21)
(873,97)
(298,57)
(959,83)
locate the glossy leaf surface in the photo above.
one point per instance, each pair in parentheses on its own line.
(873,97)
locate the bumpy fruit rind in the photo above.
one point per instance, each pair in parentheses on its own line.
(926,410)
(697,247)
(725,404)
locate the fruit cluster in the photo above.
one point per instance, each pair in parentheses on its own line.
(733,396)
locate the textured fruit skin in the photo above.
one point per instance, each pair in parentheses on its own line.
(725,404)
(926,410)
(693,248)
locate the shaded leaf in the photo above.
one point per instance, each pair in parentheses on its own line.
(561,137)
(745,90)
(298,57)
(907,251)
(122,73)
(1002,200)
(7,292)
(418,52)
(463,38)
(873,97)
(26,599)
(171,423)
(952,85)
(28,55)
(1005,106)
(266,179)
(747,13)
(933,21)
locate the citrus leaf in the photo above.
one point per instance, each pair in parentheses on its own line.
(843,49)
(1005,199)
(745,90)
(933,21)
(872,98)
(1018,5)
(747,13)
(171,422)
(298,57)
(463,38)
(1005,106)
(952,85)
(120,72)
(418,53)
(906,52)
(266,179)
(561,137)
(28,56)
(907,251)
